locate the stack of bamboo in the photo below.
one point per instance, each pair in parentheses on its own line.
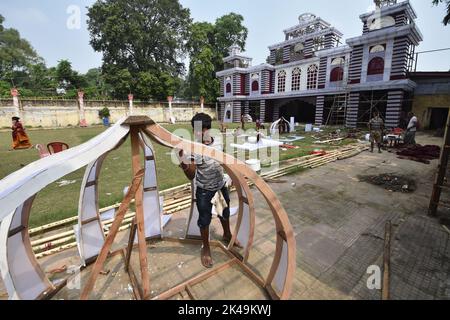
(176,199)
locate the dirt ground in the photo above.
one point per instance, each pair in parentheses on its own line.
(339,223)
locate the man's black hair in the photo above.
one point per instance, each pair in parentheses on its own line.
(205,119)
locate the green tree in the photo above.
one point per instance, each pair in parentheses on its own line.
(230,30)
(144,37)
(68,78)
(208,44)
(446,20)
(16,55)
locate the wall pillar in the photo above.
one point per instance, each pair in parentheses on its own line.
(16,103)
(394,108)
(130,104)
(320,101)
(352,110)
(262,111)
(171,117)
(82,113)
(202,104)
(246,107)
(237,111)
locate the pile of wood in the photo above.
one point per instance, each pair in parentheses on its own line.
(59,236)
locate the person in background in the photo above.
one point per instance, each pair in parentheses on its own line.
(410,135)
(19,136)
(209,179)
(376,127)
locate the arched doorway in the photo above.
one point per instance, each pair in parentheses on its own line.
(302,111)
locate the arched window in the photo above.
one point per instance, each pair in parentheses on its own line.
(376,66)
(296,75)
(282,81)
(337,74)
(313,71)
(377,48)
(228,89)
(338,62)
(255,86)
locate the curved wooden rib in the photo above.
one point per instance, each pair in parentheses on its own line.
(285,234)
(245,224)
(22,275)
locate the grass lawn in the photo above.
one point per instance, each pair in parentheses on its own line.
(57,202)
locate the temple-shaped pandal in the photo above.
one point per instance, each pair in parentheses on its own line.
(315,78)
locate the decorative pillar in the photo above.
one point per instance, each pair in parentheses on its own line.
(320,100)
(171,117)
(237,111)
(352,110)
(202,104)
(16,104)
(262,111)
(130,104)
(394,109)
(82,114)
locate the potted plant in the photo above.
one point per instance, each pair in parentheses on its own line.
(104,114)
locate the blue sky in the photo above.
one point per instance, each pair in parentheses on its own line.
(43,23)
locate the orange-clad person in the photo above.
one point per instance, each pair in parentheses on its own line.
(20,138)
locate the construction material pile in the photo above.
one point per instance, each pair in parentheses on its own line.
(391,182)
(423,154)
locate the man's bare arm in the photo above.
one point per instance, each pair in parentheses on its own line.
(188,167)
(189,170)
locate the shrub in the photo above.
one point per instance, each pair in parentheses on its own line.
(104,113)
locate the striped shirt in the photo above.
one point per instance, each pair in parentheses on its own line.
(376,124)
(209,174)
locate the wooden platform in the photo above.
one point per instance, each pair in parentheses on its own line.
(171,263)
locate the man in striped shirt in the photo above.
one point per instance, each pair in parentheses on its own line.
(209,180)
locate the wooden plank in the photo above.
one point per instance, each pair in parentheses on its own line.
(15,231)
(137,181)
(130,244)
(441,173)
(136,166)
(385,293)
(137,289)
(190,292)
(192,282)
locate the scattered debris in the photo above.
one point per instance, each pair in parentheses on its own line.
(105,272)
(63,183)
(391,182)
(58,270)
(423,154)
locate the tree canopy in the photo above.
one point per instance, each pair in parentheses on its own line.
(446,20)
(143,44)
(208,44)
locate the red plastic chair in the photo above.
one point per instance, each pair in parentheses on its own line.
(42,152)
(56,147)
